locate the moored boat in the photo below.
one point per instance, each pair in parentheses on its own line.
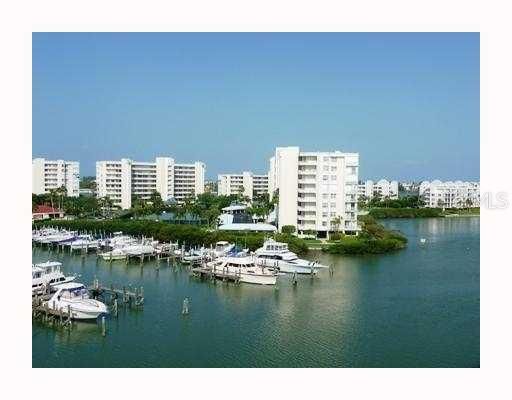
(276,255)
(244,268)
(76,296)
(48,275)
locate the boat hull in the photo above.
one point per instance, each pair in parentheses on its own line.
(113,257)
(287,267)
(258,279)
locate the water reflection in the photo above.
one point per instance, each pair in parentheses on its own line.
(400,309)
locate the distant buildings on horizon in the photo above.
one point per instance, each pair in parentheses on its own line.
(318,191)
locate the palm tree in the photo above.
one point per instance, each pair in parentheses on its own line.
(61,192)
(336,223)
(53,192)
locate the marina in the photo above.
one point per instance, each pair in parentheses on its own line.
(415,308)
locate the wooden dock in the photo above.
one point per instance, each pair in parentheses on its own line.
(43,310)
(133,297)
(214,273)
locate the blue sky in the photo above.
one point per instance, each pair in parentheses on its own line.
(408,103)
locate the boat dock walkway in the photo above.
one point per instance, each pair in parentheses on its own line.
(214,273)
(131,297)
(42,309)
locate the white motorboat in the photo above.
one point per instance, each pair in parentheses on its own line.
(84,242)
(76,296)
(119,240)
(276,255)
(60,237)
(245,268)
(48,275)
(195,256)
(37,235)
(114,254)
(139,249)
(222,248)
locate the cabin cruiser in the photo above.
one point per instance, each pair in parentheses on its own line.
(37,235)
(245,268)
(139,249)
(119,240)
(59,237)
(114,254)
(222,248)
(76,296)
(277,255)
(46,275)
(84,242)
(195,256)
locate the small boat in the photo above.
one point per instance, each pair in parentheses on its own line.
(48,275)
(139,249)
(76,296)
(114,254)
(276,255)
(84,242)
(222,248)
(245,268)
(195,256)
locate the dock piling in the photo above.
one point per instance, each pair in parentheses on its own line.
(103,328)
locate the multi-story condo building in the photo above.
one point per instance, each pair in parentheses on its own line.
(449,194)
(246,183)
(120,180)
(317,190)
(48,175)
(383,189)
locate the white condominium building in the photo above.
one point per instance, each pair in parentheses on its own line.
(246,183)
(382,188)
(450,194)
(315,188)
(47,175)
(119,180)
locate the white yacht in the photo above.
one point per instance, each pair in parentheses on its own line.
(139,249)
(114,254)
(245,268)
(84,242)
(195,256)
(48,274)
(222,248)
(120,240)
(277,255)
(76,296)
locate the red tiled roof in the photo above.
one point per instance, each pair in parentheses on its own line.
(44,209)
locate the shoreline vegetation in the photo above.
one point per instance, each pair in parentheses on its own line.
(373,239)
(190,235)
(406,212)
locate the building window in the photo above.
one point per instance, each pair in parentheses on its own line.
(325,205)
(333,177)
(333,204)
(326,177)
(334,168)
(333,195)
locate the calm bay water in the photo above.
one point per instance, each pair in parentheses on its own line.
(419,307)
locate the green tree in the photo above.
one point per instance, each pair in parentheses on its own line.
(288,229)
